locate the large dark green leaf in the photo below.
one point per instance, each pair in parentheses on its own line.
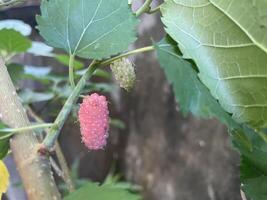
(190,92)
(228,41)
(104,192)
(253,169)
(90,29)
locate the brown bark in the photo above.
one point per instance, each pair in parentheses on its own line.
(35,170)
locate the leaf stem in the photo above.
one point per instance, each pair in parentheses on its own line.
(136,51)
(13,131)
(144,8)
(33,127)
(71,71)
(151,11)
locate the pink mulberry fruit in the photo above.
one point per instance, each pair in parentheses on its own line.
(94,121)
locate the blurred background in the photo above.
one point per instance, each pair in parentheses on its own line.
(152,148)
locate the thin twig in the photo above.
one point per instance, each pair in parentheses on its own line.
(63,164)
(144,8)
(243,196)
(56,168)
(154,10)
(61,159)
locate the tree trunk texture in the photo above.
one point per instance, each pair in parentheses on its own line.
(173,157)
(35,170)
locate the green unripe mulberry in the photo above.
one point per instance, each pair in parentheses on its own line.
(124,73)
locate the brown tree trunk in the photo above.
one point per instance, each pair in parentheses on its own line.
(35,170)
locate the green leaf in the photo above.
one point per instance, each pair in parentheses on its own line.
(15,71)
(18,72)
(29,96)
(17,25)
(253,167)
(227,40)
(96,192)
(64,59)
(190,92)
(4,144)
(90,29)
(12,41)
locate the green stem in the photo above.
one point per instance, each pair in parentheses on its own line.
(52,135)
(64,167)
(13,131)
(33,127)
(136,51)
(71,71)
(144,8)
(151,11)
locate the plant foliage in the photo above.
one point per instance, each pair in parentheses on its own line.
(89,29)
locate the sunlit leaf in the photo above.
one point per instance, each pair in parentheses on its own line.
(29,96)
(228,41)
(12,41)
(4,178)
(90,29)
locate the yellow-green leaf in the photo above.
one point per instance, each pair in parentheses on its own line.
(4,178)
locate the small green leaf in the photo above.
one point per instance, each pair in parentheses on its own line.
(15,71)
(117,123)
(12,41)
(64,59)
(90,29)
(253,166)
(4,144)
(104,192)
(29,96)
(18,72)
